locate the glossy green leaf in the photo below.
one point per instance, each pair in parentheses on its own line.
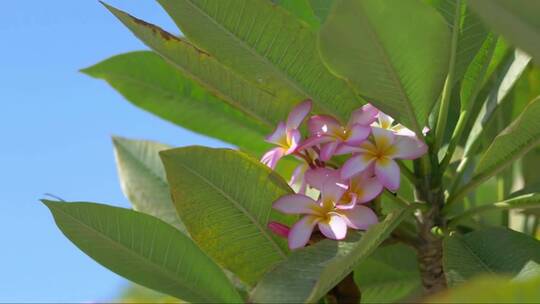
(309,273)
(145,250)
(393,52)
(143,180)
(225,200)
(149,82)
(492,289)
(196,64)
(516,20)
(492,250)
(390,274)
(267,45)
(511,144)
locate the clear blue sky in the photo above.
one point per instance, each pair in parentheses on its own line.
(55,127)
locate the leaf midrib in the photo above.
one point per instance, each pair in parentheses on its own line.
(299,87)
(238,205)
(149,262)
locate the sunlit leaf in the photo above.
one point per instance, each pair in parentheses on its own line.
(149,82)
(491,289)
(143,180)
(260,104)
(145,250)
(393,52)
(309,273)
(267,45)
(225,200)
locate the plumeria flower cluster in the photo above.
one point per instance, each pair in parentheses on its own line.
(373,143)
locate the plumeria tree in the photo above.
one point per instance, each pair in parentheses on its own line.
(387,151)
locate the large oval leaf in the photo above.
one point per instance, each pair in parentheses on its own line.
(260,104)
(309,273)
(225,200)
(393,52)
(145,250)
(493,250)
(149,82)
(267,45)
(517,20)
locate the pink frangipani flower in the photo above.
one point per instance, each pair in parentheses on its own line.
(361,188)
(328,131)
(379,155)
(331,221)
(286,136)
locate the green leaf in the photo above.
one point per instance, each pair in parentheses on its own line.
(526,201)
(471,33)
(492,250)
(475,75)
(512,143)
(321,8)
(390,274)
(267,45)
(393,52)
(301,9)
(516,20)
(309,273)
(149,82)
(225,200)
(198,65)
(508,76)
(492,289)
(143,180)
(144,250)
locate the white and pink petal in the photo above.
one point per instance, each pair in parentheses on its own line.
(298,114)
(334,228)
(301,231)
(360,217)
(296,204)
(387,172)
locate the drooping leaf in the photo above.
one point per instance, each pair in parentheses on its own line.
(516,20)
(267,45)
(492,250)
(309,273)
(393,52)
(388,275)
(145,250)
(491,289)
(143,180)
(225,200)
(196,64)
(526,201)
(512,143)
(149,82)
